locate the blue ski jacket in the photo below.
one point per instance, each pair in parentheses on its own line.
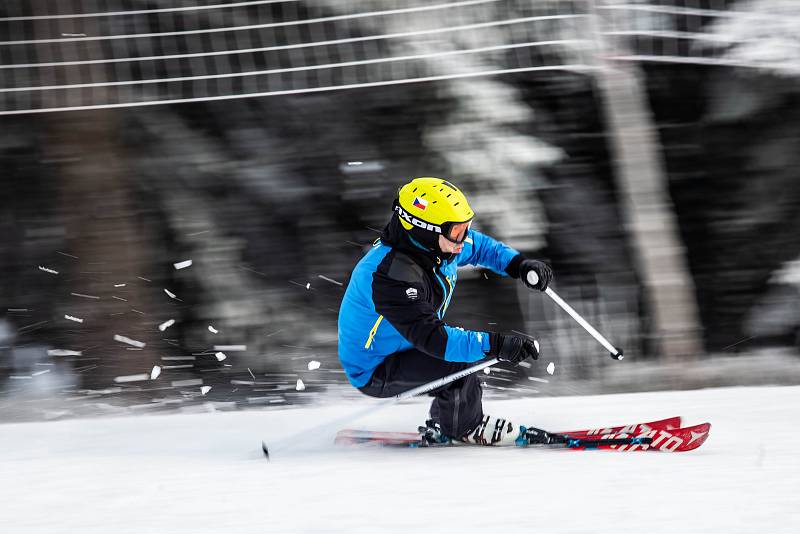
(398,295)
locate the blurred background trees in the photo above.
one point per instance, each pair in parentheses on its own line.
(275,198)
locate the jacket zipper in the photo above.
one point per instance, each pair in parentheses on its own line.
(439,277)
(447,301)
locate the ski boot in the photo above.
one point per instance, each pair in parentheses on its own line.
(491,431)
(431,435)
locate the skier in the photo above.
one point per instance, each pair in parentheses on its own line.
(392,334)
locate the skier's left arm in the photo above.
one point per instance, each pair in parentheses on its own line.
(484,251)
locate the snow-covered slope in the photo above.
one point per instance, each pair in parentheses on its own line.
(205,473)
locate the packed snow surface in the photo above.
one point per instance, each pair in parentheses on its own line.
(205,473)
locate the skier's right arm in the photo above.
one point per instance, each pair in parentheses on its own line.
(399,297)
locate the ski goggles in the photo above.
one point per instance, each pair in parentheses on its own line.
(456,232)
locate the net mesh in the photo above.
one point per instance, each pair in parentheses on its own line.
(88,54)
(84,54)
(738,33)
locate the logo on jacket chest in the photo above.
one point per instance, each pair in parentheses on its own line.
(412,293)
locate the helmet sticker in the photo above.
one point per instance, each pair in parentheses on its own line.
(416,222)
(420,203)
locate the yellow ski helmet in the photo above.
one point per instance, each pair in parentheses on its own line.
(429,207)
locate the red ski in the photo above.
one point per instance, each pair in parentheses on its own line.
(673,440)
(352,436)
(635,429)
(662,435)
(664,440)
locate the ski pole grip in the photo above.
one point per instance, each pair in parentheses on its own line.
(532,278)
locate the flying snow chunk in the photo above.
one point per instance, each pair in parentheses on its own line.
(71,318)
(170,293)
(155,372)
(205,389)
(487,371)
(308,285)
(331,280)
(183,264)
(300,386)
(220,356)
(129,341)
(551,367)
(187,383)
(63,352)
(132,378)
(120,285)
(313,364)
(166,324)
(45,269)
(212,329)
(81,295)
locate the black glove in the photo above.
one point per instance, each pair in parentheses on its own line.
(512,348)
(543,272)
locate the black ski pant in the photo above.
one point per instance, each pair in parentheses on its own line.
(456,406)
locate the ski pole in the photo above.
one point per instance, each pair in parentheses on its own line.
(430,386)
(384,403)
(616,353)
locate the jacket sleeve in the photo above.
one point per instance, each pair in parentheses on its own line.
(417,321)
(492,254)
